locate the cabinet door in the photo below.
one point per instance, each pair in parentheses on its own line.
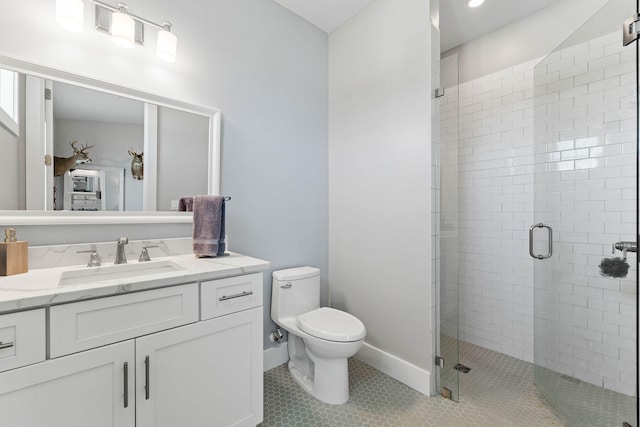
(84,389)
(205,374)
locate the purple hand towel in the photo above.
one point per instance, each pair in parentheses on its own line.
(222,242)
(185,204)
(208,224)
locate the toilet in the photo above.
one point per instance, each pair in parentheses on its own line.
(320,338)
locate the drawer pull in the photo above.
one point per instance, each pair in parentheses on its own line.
(126,384)
(4,345)
(146,377)
(240,295)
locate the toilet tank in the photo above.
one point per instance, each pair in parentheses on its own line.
(302,296)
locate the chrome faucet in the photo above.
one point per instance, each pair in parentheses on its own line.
(121,257)
(624,247)
(144,255)
(95,260)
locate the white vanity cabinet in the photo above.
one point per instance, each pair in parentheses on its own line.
(83,389)
(206,374)
(146,359)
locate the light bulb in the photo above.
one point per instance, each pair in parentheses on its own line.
(167,42)
(70,15)
(123,28)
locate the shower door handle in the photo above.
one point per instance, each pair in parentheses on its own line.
(550,231)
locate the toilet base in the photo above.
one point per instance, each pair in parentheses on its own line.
(334,390)
(320,366)
(301,379)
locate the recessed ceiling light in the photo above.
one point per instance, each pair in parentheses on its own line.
(475,3)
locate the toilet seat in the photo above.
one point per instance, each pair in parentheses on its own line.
(332,325)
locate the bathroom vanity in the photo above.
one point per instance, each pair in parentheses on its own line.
(172,342)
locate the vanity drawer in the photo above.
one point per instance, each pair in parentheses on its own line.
(87,324)
(225,296)
(22,339)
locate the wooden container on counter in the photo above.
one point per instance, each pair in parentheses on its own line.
(14,258)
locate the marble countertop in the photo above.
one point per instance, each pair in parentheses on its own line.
(42,288)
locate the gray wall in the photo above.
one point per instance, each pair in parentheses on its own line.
(263,66)
(380,176)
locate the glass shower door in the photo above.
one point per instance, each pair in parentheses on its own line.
(447,300)
(585,204)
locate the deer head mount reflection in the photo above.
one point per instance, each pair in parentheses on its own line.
(63,164)
(137,165)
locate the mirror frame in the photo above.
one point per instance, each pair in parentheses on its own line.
(133,217)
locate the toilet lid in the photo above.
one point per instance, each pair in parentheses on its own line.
(330,324)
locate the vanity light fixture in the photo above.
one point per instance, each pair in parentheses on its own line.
(475,3)
(125,28)
(166,49)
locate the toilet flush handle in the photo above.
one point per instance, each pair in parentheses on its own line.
(286,285)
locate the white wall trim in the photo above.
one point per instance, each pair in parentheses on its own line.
(275,356)
(90,218)
(36,173)
(403,371)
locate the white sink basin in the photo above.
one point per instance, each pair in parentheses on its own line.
(114,272)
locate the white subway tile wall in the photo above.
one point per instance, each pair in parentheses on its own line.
(490,198)
(449,292)
(585,184)
(576,171)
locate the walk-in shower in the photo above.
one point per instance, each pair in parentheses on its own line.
(585,188)
(539,172)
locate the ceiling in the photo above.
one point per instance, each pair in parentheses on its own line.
(458,22)
(326,14)
(77,103)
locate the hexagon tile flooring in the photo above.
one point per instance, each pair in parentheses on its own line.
(498,392)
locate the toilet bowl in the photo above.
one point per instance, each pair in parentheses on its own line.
(320,339)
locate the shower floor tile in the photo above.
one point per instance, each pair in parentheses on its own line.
(498,392)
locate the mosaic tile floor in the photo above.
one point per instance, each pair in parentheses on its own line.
(498,392)
(585,404)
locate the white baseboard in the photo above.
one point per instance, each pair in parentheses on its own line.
(275,356)
(403,371)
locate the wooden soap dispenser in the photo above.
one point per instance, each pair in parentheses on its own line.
(14,255)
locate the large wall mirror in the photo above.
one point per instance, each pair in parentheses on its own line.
(79,150)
